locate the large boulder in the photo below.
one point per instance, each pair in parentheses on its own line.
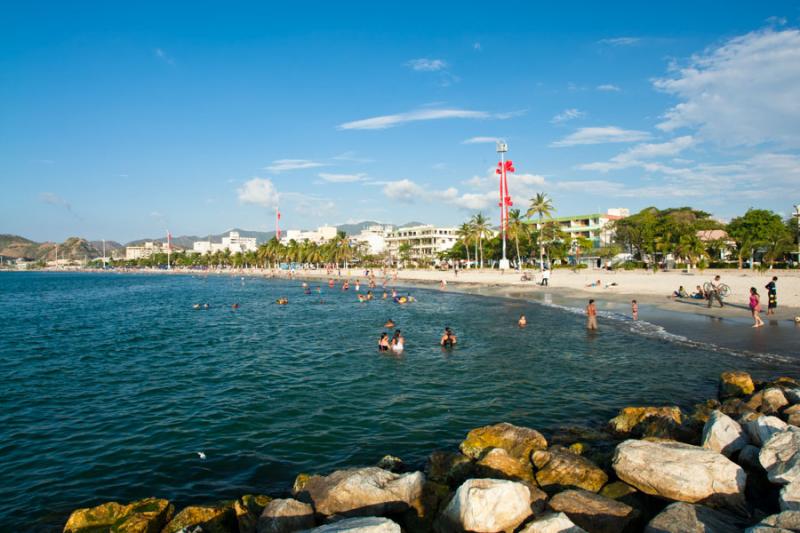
(367,491)
(144,516)
(646,421)
(680,472)
(723,434)
(486,506)
(735,384)
(559,469)
(449,468)
(778,523)
(368,524)
(552,523)
(206,518)
(518,441)
(748,458)
(768,401)
(285,516)
(681,517)
(595,513)
(793,395)
(760,427)
(248,508)
(780,456)
(497,463)
(789,499)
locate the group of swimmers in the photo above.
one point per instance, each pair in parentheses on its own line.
(396,343)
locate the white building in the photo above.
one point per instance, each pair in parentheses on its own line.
(426,242)
(321,235)
(132,253)
(233,242)
(373,238)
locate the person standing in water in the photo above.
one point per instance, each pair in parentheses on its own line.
(383,343)
(591,314)
(635,309)
(522,322)
(755,308)
(448,339)
(772,296)
(398,342)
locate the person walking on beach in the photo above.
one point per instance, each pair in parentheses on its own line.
(591,314)
(755,308)
(772,296)
(546,277)
(714,292)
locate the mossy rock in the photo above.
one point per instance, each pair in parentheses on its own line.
(449,468)
(498,464)
(646,421)
(211,518)
(518,441)
(142,516)
(735,384)
(248,508)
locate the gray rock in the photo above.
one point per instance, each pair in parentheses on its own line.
(768,401)
(594,513)
(780,456)
(683,517)
(748,458)
(680,472)
(784,522)
(789,498)
(486,506)
(367,491)
(285,515)
(793,395)
(723,434)
(560,468)
(368,524)
(552,523)
(761,428)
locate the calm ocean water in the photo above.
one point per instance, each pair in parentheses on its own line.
(111,383)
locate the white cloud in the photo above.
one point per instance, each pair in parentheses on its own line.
(742,92)
(162,55)
(608,87)
(467,201)
(601,135)
(389,121)
(526,179)
(567,114)
(477,46)
(480,140)
(352,156)
(620,41)
(309,205)
(632,156)
(259,191)
(424,64)
(282,165)
(404,190)
(341,178)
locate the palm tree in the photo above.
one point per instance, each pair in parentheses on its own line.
(517,228)
(465,233)
(481,228)
(543,206)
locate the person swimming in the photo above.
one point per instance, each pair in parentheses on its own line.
(369,295)
(389,324)
(282,300)
(398,342)
(362,298)
(196,306)
(522,322)
(448,339)
(235,306)
(383,342)
(385,295)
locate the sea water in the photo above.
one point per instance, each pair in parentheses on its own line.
(112,383)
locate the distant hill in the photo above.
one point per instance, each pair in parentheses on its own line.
(16,246)
(186,241)
(73,248)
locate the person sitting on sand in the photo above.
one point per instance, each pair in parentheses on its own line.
(448,339)
(612,284)
(398,342)
(522,322)
(389,324)
(383,342)
(680,293)
(699,293)
(594,284)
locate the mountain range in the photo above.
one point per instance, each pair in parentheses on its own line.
(76,248)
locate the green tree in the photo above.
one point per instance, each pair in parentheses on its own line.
(517,229)
(465,234)
(759,228)
(481,229)
(542,206)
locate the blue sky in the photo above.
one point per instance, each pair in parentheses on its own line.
(120,121)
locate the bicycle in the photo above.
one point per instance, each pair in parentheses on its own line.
(722,289)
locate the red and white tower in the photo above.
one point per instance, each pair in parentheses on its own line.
(503,168)
(278,223)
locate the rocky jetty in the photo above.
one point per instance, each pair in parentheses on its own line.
(731,464)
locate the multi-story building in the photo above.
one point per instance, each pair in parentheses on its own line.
(594,226)
(426,241)
(321,235)
(373,238)
(233,242)
(132,253)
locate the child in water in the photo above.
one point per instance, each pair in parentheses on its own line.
(635,309)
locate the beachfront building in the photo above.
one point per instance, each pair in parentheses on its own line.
(145,250)
(233,242)
(595,226)
(321,235)
(426,242)
(373,238)
(719,240)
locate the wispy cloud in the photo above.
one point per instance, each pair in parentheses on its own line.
(633,156)
(352,157)
(480,140)
(282,165)
(477,46)
(620,41)
(51,198)
(601,135)
(259,191)
(608,87)
(390,121)
(341,178)
(423,64)
(162,55)
(567,114)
